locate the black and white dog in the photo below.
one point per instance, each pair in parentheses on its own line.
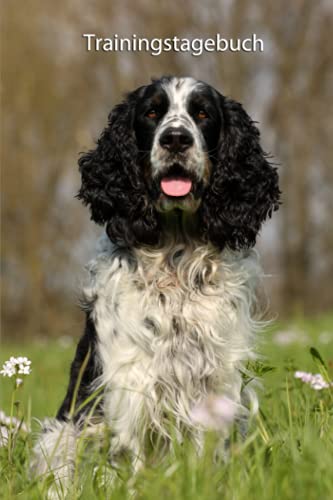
(180,181)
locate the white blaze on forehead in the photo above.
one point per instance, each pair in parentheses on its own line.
(178,91)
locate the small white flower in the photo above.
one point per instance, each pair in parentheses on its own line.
(16,366)
(8,369)
(316,381)
(215,412)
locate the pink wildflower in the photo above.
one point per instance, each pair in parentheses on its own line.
(215,412)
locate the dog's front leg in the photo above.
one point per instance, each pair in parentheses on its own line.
(56,449)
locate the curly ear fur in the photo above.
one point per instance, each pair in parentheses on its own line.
(113,184)
(244,186)
(243,189)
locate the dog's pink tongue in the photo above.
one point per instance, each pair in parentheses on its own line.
(176,186)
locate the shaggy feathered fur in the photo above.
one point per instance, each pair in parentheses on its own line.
(170,297)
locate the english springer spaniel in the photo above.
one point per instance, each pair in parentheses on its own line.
(182,185)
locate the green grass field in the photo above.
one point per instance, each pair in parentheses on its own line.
(288,453)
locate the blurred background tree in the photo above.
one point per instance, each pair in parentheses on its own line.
(55,100)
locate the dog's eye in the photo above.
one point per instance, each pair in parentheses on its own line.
(201,114)
(152,114)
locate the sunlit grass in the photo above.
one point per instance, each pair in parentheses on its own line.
(287,454)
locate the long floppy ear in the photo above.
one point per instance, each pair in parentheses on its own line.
(244,186)
(112,182)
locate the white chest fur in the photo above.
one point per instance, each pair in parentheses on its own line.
(173,325)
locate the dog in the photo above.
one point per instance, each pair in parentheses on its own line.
(182,186)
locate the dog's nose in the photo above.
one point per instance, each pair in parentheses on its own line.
(176,140)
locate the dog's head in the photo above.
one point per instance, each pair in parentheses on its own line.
(179,145)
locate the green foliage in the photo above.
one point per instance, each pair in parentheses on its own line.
(287,454)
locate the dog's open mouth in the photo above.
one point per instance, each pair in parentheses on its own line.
(176,182)
(176,186)
(178,189)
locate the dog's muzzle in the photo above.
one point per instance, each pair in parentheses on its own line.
(178,181)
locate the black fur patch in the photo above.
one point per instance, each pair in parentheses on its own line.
(92,371)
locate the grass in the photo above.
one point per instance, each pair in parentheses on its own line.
(288,452)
